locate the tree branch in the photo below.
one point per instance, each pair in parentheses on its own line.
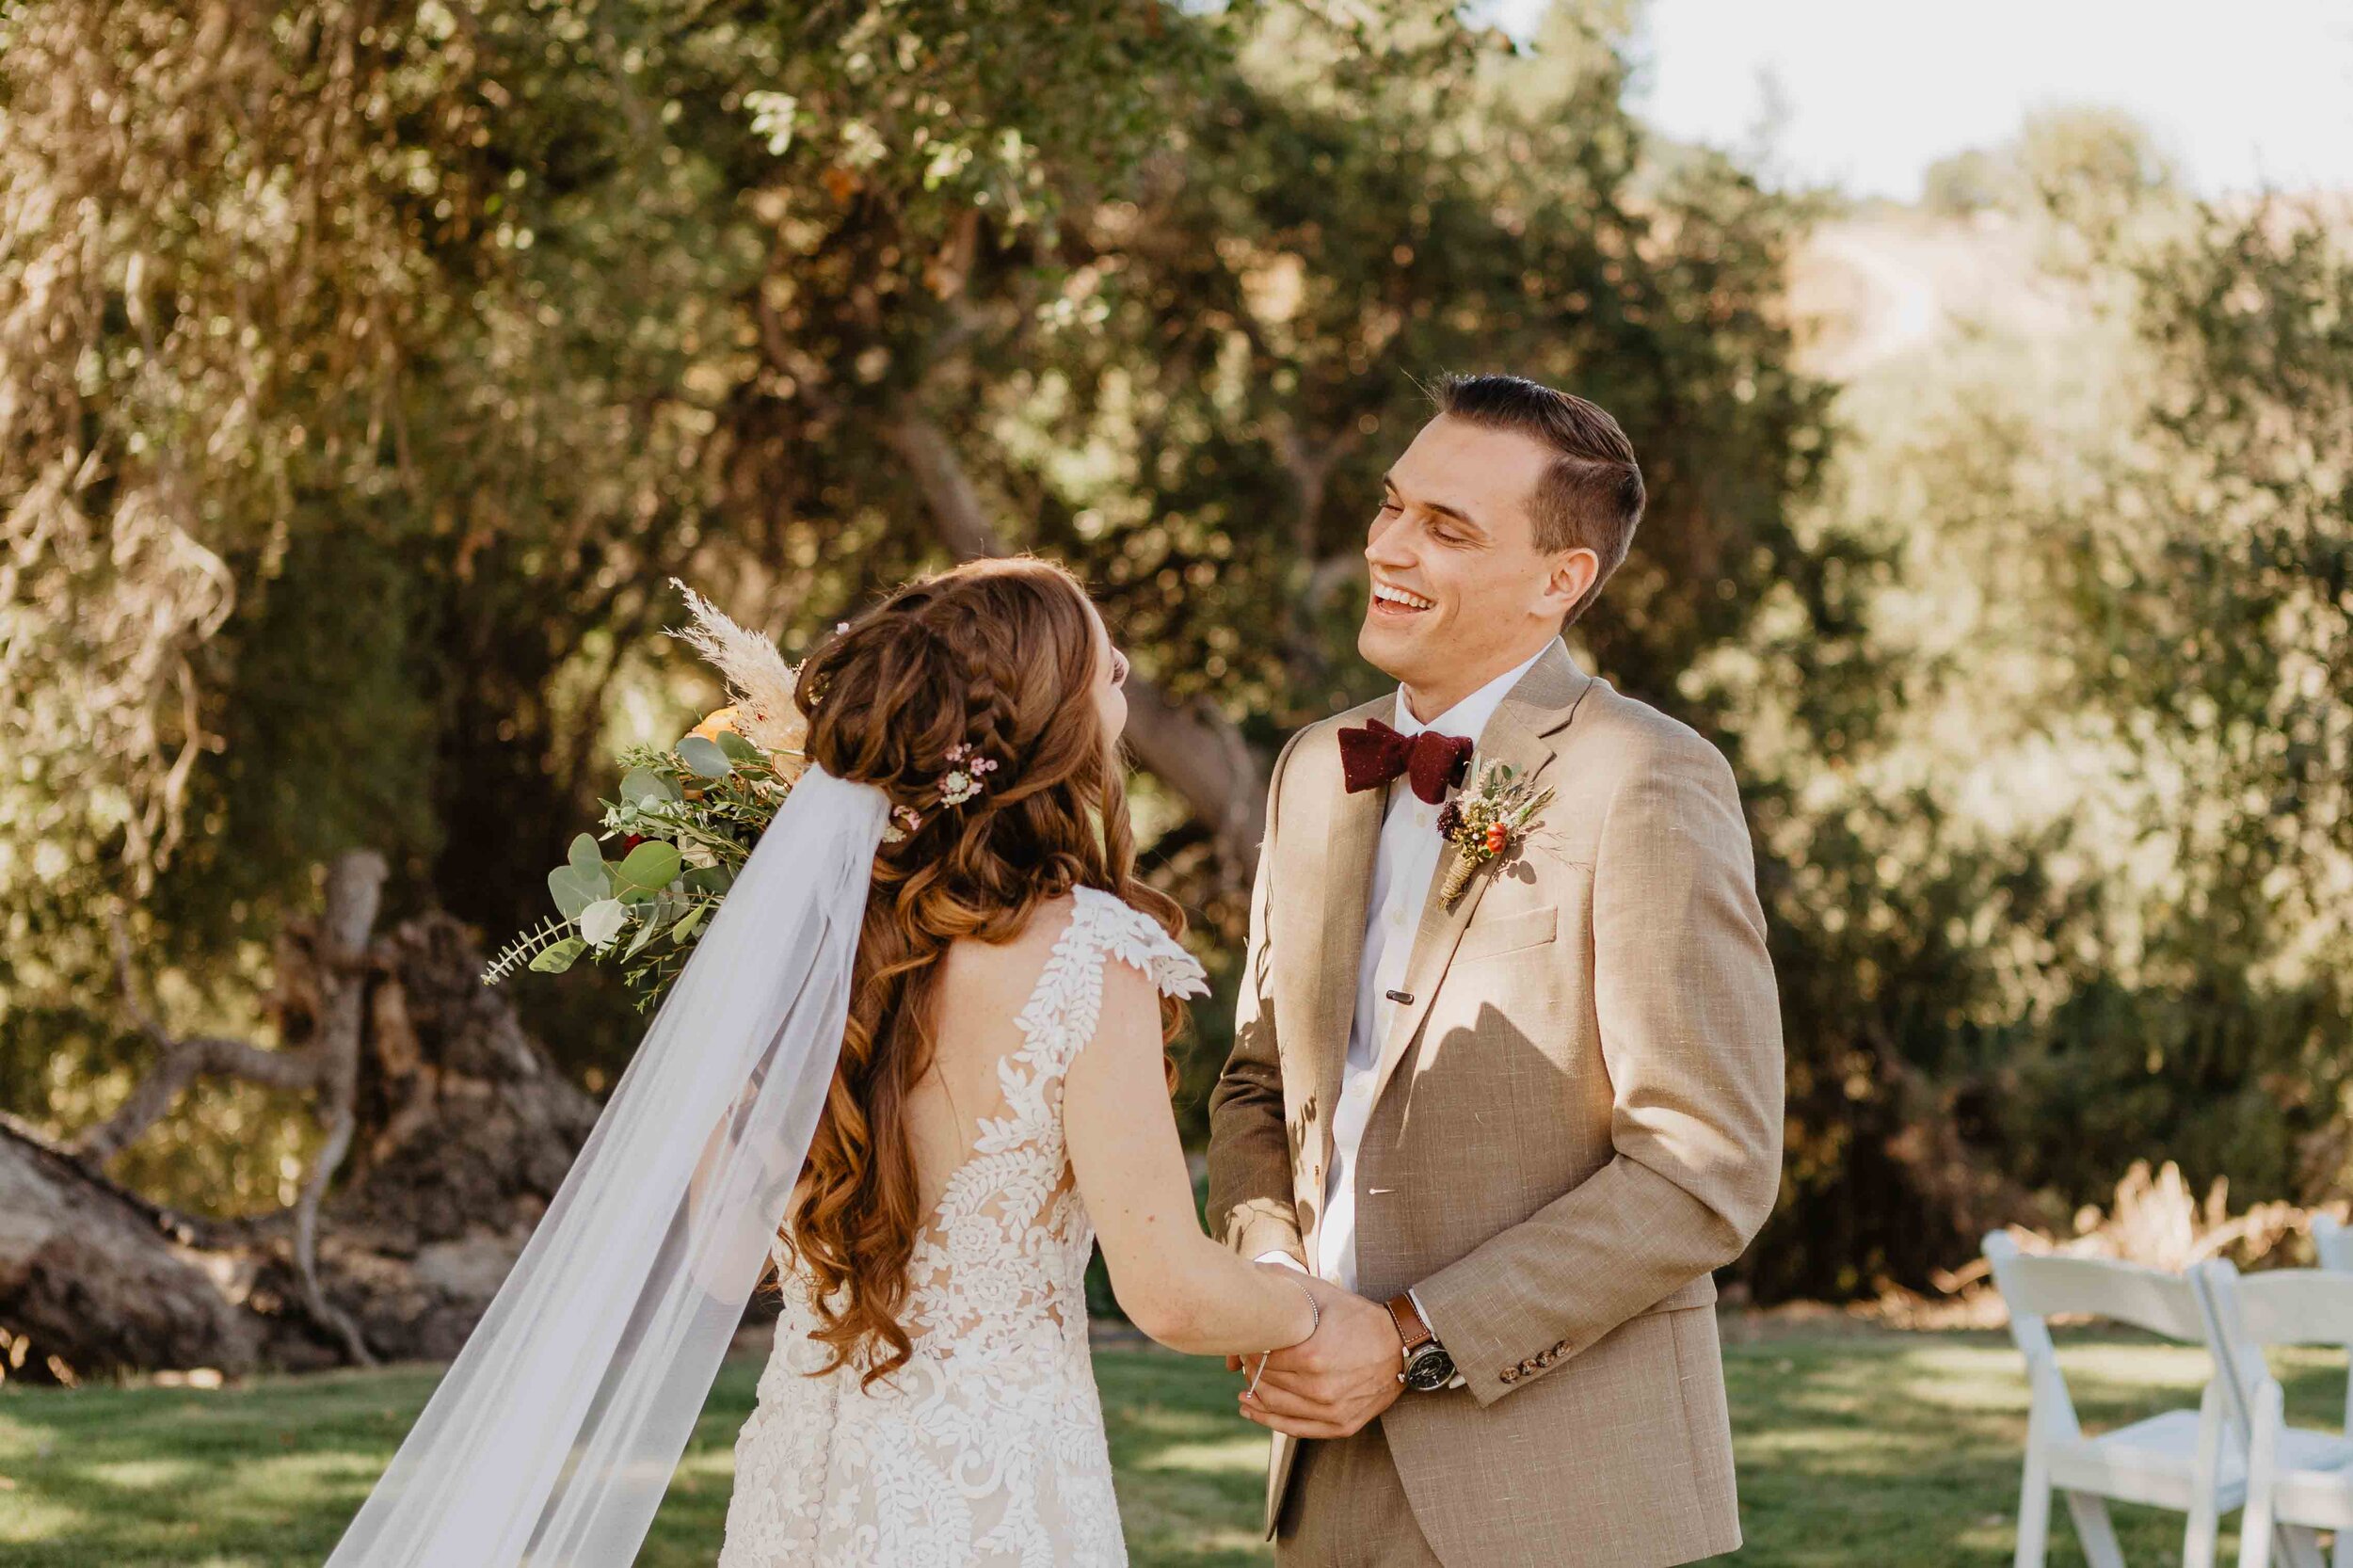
(328,1068)
(183,1061)
(1192,748)
(957,516)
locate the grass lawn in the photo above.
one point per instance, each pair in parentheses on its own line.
(1854,1449)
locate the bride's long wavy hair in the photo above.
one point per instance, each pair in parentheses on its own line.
(1001,656)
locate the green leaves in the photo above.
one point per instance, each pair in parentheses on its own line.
(619,908)
(648,869)
(642,784)
(596,894)
(559,957)
(602,921)
(574,888)
(773,117)
(704,757)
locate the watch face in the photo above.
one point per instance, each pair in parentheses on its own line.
(1432,1369)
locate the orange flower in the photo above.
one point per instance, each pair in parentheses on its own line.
(713,722)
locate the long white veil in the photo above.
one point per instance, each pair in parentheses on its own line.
(552,1437)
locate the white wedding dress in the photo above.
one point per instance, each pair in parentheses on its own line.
(988,1447)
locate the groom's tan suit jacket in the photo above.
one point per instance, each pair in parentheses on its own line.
(1576,1117)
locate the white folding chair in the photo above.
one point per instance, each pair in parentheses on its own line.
(2334,1242)
(2177,1459)
(2298,1478)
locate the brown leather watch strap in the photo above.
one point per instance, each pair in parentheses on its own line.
(1410,1327)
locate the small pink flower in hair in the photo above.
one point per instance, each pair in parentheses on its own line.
(962,782)
(904,821)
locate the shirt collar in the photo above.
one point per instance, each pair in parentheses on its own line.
(1468,717)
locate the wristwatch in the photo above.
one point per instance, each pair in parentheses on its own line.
(1427,1364)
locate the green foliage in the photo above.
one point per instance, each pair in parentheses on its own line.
(712,799)
(2222,599)
(431,341)
(390,359)
(2068,899)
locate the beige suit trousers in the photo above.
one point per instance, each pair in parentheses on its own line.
(1348,1508)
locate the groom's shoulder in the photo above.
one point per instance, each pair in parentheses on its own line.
(1634,736)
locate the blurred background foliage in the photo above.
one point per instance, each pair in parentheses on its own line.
(367,367)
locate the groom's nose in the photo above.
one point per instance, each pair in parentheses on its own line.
(1389,544)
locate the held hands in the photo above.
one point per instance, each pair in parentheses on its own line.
(1336,1383)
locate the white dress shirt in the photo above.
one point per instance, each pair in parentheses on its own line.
(1402,865)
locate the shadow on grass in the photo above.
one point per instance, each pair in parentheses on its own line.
(1857,1452)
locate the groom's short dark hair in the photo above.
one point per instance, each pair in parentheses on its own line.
(1593,496)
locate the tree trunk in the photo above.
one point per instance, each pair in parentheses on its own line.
(95,1278)
(1194,750)
(461,1129)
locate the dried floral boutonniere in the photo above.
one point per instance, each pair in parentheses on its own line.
(1487,821)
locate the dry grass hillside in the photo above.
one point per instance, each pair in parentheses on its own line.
(1871,288)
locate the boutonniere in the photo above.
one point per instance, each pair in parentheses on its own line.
(1489,820)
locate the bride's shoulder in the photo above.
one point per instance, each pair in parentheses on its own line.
(1119,929)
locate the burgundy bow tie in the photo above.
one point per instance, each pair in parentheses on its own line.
(1372,755)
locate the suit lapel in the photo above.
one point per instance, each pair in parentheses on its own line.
(1335,872)
(1541,704)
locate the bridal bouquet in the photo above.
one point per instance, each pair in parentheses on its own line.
(687,821)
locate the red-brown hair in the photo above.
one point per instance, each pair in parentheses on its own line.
(999,655)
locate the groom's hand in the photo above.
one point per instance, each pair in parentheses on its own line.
(1336,1381)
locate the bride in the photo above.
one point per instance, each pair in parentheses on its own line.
(925,1032)
(1001,1102)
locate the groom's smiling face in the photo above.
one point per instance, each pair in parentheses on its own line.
(1461,592)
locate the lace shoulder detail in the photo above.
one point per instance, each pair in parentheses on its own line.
(1128,934)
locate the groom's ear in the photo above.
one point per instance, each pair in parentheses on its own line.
(1571,576)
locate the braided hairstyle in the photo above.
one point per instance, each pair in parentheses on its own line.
(1000,656)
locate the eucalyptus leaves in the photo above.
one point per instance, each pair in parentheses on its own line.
(687,820)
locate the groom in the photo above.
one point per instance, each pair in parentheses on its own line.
(1524,1124)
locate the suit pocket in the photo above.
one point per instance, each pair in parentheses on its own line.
(1507,934)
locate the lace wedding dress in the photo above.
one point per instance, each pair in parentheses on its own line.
(988,1447)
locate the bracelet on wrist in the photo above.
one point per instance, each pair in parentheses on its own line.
(1315,1321)
(1314,1315)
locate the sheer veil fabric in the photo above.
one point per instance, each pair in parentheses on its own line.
(553,1436)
